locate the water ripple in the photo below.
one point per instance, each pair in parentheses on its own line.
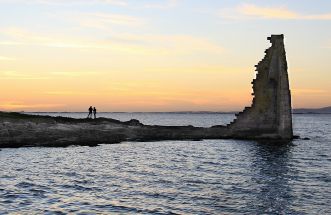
(184,177)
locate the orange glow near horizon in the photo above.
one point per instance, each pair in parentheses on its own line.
(164,90)
(132,57)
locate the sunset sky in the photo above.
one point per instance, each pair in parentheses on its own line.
(157,55)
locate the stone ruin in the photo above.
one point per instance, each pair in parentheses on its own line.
(270,114)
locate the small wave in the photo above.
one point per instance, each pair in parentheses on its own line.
(25,185)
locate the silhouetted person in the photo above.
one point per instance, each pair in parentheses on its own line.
(90,112)
(95,113)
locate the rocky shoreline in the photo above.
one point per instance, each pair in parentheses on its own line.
(23,130)
(18,130)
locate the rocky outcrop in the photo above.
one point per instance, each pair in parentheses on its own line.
(18,130)
(269,117)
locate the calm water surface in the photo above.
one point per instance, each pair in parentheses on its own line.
(174,177)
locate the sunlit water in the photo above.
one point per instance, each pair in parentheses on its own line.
(174,177)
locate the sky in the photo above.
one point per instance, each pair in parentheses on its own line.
(157,55)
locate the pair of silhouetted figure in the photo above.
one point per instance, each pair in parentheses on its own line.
(90,110)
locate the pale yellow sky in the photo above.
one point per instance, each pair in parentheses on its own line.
(160,55)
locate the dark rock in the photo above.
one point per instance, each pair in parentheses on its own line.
(133,122)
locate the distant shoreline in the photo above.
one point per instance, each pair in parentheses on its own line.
(324,110)
(188,112)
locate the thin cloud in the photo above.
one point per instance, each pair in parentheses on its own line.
(2,58)
(14,105)
(105,20)
(164,5)
(251,11)
(115,2)
(72,74)
(19,37)
(13,75)
(126,43)
(69,2)
(170,44)
(10,43)
(69,93)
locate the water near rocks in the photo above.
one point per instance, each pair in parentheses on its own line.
(174,177)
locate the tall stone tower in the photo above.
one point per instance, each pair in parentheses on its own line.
(270,115)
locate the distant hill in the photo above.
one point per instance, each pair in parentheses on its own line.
(313,110)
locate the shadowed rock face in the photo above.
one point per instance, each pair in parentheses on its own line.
(269,117)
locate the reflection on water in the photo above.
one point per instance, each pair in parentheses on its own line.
(271,175)
(183,177)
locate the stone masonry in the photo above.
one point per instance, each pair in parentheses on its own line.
(270,114)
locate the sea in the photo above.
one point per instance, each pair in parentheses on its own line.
(173,177)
